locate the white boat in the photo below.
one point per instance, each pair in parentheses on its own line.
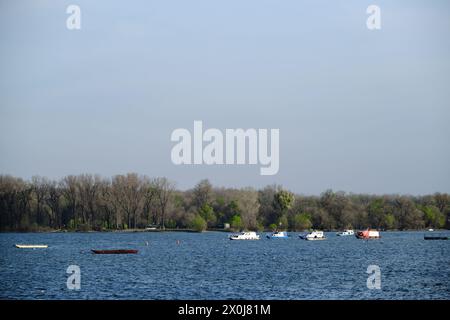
(315,235)
(368,234)
(278,235)
(347,232)
(31,246)
(246,235)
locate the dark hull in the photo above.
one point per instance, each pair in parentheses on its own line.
(117,251)
(366,238)
(435,238)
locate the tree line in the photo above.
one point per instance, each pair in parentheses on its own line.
(131,201)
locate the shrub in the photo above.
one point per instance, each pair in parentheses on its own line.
(198,223)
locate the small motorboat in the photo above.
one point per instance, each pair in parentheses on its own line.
(315,235)
(247,235)
(368,234)
(31,246)
(115,251)
(278,235)
(347,232)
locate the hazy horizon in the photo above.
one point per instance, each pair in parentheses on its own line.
(362,111)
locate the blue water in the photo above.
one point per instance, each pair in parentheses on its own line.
(209,266)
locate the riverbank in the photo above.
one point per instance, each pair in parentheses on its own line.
(185,230)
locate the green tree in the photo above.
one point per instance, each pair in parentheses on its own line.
(283,222)
(236,222)
(376,213)
(198,223)
(282,202)
(207,213)
(389,221)
(302,221)
(434,218)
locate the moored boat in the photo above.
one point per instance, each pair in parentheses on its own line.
(436,237)
(315,235)
(347,232)
(31,246)
(246,235)
(115,251)
(278,235)
(368,234)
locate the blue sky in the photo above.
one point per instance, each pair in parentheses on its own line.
(358,110)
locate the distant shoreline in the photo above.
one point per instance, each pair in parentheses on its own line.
(132,202)
(194,231)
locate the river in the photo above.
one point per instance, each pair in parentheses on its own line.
(182,265)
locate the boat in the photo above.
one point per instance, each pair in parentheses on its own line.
(368,234)
(347,232)
(246,235)
(436,237)
(431,230)
(315,235)
(278,235)
(31,246)
(115,251)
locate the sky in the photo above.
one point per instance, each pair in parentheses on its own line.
(359,110)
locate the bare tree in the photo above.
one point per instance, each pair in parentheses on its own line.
(53,202)
(202,193)
(107,205)
(41,187)
(15,202)
(150,209)
(248,203)
(164,190)
(88,189)
(127,192)
(88,201)
(69,189)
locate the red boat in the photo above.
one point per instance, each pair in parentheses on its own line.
(115,251)
(368,234)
